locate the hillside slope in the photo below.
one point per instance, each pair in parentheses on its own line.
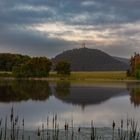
(85,59)
(125,60)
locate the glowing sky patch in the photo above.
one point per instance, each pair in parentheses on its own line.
(54,26)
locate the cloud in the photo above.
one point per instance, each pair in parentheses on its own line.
(88,3)
(32,42)
(49,27)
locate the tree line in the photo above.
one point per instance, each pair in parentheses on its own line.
(8,61)
(25,66)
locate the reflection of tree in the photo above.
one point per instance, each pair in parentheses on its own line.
(63,88)
(134,90)
(24,90)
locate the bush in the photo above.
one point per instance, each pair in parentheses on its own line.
(137,73)
(36,67)
(63,68)
(8,61)
(128,73)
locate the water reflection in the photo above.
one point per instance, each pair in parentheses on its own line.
(85,95)
(134,91)
(102,103)
(13,91)
(62,89)
(23,90)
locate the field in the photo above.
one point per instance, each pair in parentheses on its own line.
(109,75)
(100,75)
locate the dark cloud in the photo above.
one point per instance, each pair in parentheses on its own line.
(33,43)
(104,20)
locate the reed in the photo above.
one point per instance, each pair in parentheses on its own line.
(10,129)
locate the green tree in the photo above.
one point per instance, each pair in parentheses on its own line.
(8,61)
(63,67)
(137,74)
(137,71)
(35,67)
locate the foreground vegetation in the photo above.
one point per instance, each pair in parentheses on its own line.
(13,128)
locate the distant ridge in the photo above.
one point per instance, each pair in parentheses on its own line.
(85,59)
(125,60)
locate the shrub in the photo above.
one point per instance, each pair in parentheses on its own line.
(137,73)
(63,68)
(128,73)
(36,67)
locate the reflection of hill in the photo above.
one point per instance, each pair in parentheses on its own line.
(90,95)
(24,90)
(134,91)
(62,88)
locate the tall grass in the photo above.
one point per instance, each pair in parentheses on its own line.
(11,128)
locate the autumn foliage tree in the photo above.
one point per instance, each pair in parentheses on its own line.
(35,67)
(63,67)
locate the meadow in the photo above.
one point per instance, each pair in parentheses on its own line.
(79,76)
(95,76)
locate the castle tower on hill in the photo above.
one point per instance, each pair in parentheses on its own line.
(83,45)
(134,61)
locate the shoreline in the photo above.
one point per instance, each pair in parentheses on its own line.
(91,77)
(53,79)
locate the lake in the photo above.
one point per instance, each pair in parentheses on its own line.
(80,102)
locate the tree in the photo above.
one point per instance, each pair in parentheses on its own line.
(137,71)
(137,74)
(63,67)
(8,61)
(35,67)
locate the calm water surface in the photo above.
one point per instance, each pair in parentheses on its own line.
(100,102)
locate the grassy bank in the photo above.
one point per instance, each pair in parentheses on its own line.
(99,75)
(79,76)
(5,74)
(109,75)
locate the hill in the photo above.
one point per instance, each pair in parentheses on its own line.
(125,60)
(85,59)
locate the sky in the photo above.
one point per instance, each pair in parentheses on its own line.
(48,27)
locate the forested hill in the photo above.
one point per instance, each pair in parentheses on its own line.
(8,61)
(85,59)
